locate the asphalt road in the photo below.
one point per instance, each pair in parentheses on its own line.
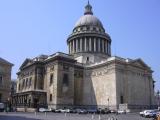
(63,116)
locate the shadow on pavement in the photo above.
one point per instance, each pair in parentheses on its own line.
(3,117)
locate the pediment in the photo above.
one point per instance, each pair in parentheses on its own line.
(140,63)
(26,63)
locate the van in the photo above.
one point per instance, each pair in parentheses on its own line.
(1,107)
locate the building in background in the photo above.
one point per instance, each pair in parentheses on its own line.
(13,86)
(89,76)
(5,79)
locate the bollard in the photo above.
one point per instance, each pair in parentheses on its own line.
(35,113)
(92,117)
(65,114)
(99,118)
(45,114)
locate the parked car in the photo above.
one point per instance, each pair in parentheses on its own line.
(57,110)
(141,113)
(1,107)
(121,112)
(73,110)
(44,110)
(150,114)
(92,111)
(103,111)
(65,110)
(113,111)
(81,111)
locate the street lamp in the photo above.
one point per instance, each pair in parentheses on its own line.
(108,102)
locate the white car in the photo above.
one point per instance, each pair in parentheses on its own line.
(1,107)
(141,113)
(121,112)
(44,110)
(150,113)
(145,112)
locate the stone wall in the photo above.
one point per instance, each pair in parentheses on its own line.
(99,87)
(5,73)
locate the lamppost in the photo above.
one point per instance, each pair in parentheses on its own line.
(108,102)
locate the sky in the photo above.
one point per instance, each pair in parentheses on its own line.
(29,28)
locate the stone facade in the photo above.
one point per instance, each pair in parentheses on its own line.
(5,79)
(86,77)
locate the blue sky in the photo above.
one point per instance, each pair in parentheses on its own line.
(29,28)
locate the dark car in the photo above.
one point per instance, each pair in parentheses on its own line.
(81,111)
(92,111)
(103,111)
(73,110)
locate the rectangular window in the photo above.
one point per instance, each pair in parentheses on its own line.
(51,78)
(122,101)
(50,97)
(26,83)
(23,84)
(19,87)
(1,79)
(30,81)
(65,80)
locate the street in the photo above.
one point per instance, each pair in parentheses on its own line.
(68,116)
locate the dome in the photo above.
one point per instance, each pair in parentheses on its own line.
(89,20)
(88,38)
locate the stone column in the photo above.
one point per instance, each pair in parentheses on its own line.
(95,45)
(99,49)
(73,46)
(102,45)
(85,44)
(70,47)
(105,46)
(76,45)
(90,44)
(80,44)
(109,48)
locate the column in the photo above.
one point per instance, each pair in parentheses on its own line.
(102,45)
(94,44)
(73,46)
(109,49)
(76,45)
(85,44)
(70,47)
(105,46)
(80,44)
(99,49)
(90,44)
